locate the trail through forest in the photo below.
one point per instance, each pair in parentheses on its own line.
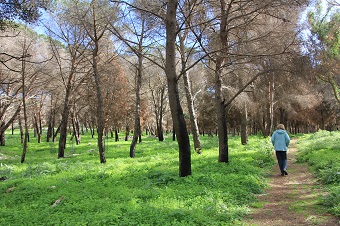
(290,200)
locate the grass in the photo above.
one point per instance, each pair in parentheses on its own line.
(145,190)
(322,152)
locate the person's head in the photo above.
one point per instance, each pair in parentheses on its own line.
(281,126)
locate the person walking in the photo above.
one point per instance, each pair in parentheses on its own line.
(281,140)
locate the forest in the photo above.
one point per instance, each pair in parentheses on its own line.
(192,67)
(146,112)
(189,67)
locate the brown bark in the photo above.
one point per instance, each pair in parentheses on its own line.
(4,126)
(158,102)
(190,101)
(24,93)
(223,155)
(127,133)
(244,126)
(175,106)
(75,127)
(116,135)
(220,106)
(100,121)
(22,137)
(38,127)
(192,114)
(63,123)
(159,123)
(137,129)
(266,117)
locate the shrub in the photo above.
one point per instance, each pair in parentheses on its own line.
(332,201)
(322,152)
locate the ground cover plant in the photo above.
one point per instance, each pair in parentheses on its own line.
(145,190)
(322,152)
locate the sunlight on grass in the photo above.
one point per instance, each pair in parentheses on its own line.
(322,152)
(145,190)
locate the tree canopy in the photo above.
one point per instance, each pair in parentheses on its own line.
(20,10)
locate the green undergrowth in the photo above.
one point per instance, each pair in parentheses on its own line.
(145,190)
(322,152)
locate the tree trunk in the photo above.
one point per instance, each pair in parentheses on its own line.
(267,117)
(49,128)
(116,135)
(188,94)
(22,134)
(55,134)
(220,106)
(63,127)
(24,93)
(222,132)
(159,122)
(175,105)
(75,127)
(26,135)
(138,84)
(127,132)
(100,121)
(64,117)
(37,124)
(283,116)
(192,114)
(160,132)
(24,149)
(2,135)
(4,126)
(244,126)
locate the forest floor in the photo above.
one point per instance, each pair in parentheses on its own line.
(292,199)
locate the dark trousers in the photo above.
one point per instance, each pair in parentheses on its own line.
(282,159)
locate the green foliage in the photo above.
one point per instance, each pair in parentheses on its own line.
(322,151)
(325,27)
(332,200)
(145,190)
(13,10)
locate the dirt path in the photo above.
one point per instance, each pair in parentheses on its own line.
(290,200)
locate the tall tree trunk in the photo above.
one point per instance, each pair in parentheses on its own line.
(189,97)
(75,128)
(138,84)
(266,119)
(175,105)
(188,91)
(49,127)
(23,73)
(116,135)
(37,124)
(283,116)
(127,132)
(55,134)
(160,132)
(22,133)
(2,135)
(100,121)
(158,101)
(222,131)
(63,124)
(244,126)
(192,114)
